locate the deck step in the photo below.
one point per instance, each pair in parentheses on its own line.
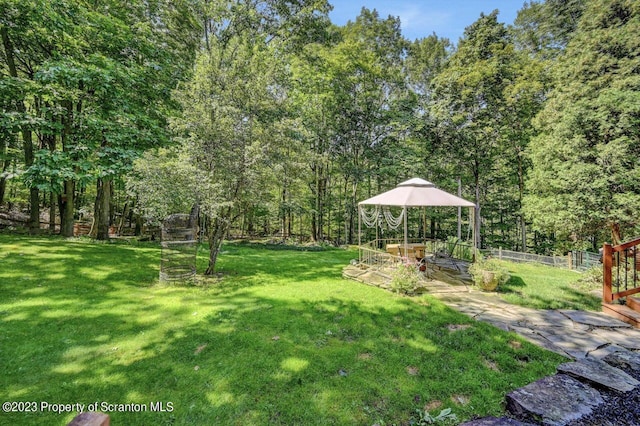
(634,303)
(623,313)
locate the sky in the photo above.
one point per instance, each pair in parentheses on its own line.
(421,18)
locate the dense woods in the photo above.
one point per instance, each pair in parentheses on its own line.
(267,119)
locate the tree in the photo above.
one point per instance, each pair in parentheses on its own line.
(367,78)
(234,104)
(469,103)
(586,165)
(545,28)
(93,87)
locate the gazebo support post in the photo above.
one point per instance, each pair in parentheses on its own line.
(459,211)
(359,235)
(406,241)
(474,235)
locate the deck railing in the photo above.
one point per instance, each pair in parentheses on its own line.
(373,253)
(621,269)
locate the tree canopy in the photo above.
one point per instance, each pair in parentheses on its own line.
(271,121)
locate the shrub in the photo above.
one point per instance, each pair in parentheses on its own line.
(488,274)
(591,279)
(405,278)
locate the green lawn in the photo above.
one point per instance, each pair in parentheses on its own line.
(280,339)
(545,287)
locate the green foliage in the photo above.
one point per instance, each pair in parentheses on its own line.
(165,182)
(445,417)
(590,280)
(405,278)
(544,28)
(585,158)
(488,274)
(284,122)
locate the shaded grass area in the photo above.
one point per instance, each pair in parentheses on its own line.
(545,287)
(281,338)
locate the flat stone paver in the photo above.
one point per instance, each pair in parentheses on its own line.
(495,421)
(600,374)
(602,346)
(594,319)
(556,400)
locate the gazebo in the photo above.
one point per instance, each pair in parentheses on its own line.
(414,192)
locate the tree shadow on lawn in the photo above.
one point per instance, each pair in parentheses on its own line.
(256,360)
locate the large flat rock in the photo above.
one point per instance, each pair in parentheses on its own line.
(599,374)
(577,344)
(628,338)
(555,400)
(594,319)
(626,360)
(495,421)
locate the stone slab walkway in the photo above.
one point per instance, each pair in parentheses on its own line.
(575,334)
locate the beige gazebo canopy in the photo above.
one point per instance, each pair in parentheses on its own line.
(415,192)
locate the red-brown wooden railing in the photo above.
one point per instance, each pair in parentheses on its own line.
(621,270)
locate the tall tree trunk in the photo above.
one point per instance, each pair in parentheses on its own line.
(50,142)
(67,211)
(523,223)
(52,212)
(217,231)
(3,181)
(476,219)
(616,236)
(27,135)
(101,209)
(283,211)
(67,207)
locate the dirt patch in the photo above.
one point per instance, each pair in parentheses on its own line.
(365,356)
(200,349)
(490,365)
(515,344)
(457,327)
(433,405)
(413,371)
(460,399)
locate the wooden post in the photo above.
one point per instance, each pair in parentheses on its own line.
(607,261)
(570,260)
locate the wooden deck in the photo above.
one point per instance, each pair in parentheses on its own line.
(623,313)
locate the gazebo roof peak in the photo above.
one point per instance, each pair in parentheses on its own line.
(417,182)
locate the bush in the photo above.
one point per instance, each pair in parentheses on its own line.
(590,280)
(488,274)
(405,279)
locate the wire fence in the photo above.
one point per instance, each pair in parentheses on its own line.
(575,260)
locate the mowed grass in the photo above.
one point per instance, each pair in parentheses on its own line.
(281,338)
(544,287)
